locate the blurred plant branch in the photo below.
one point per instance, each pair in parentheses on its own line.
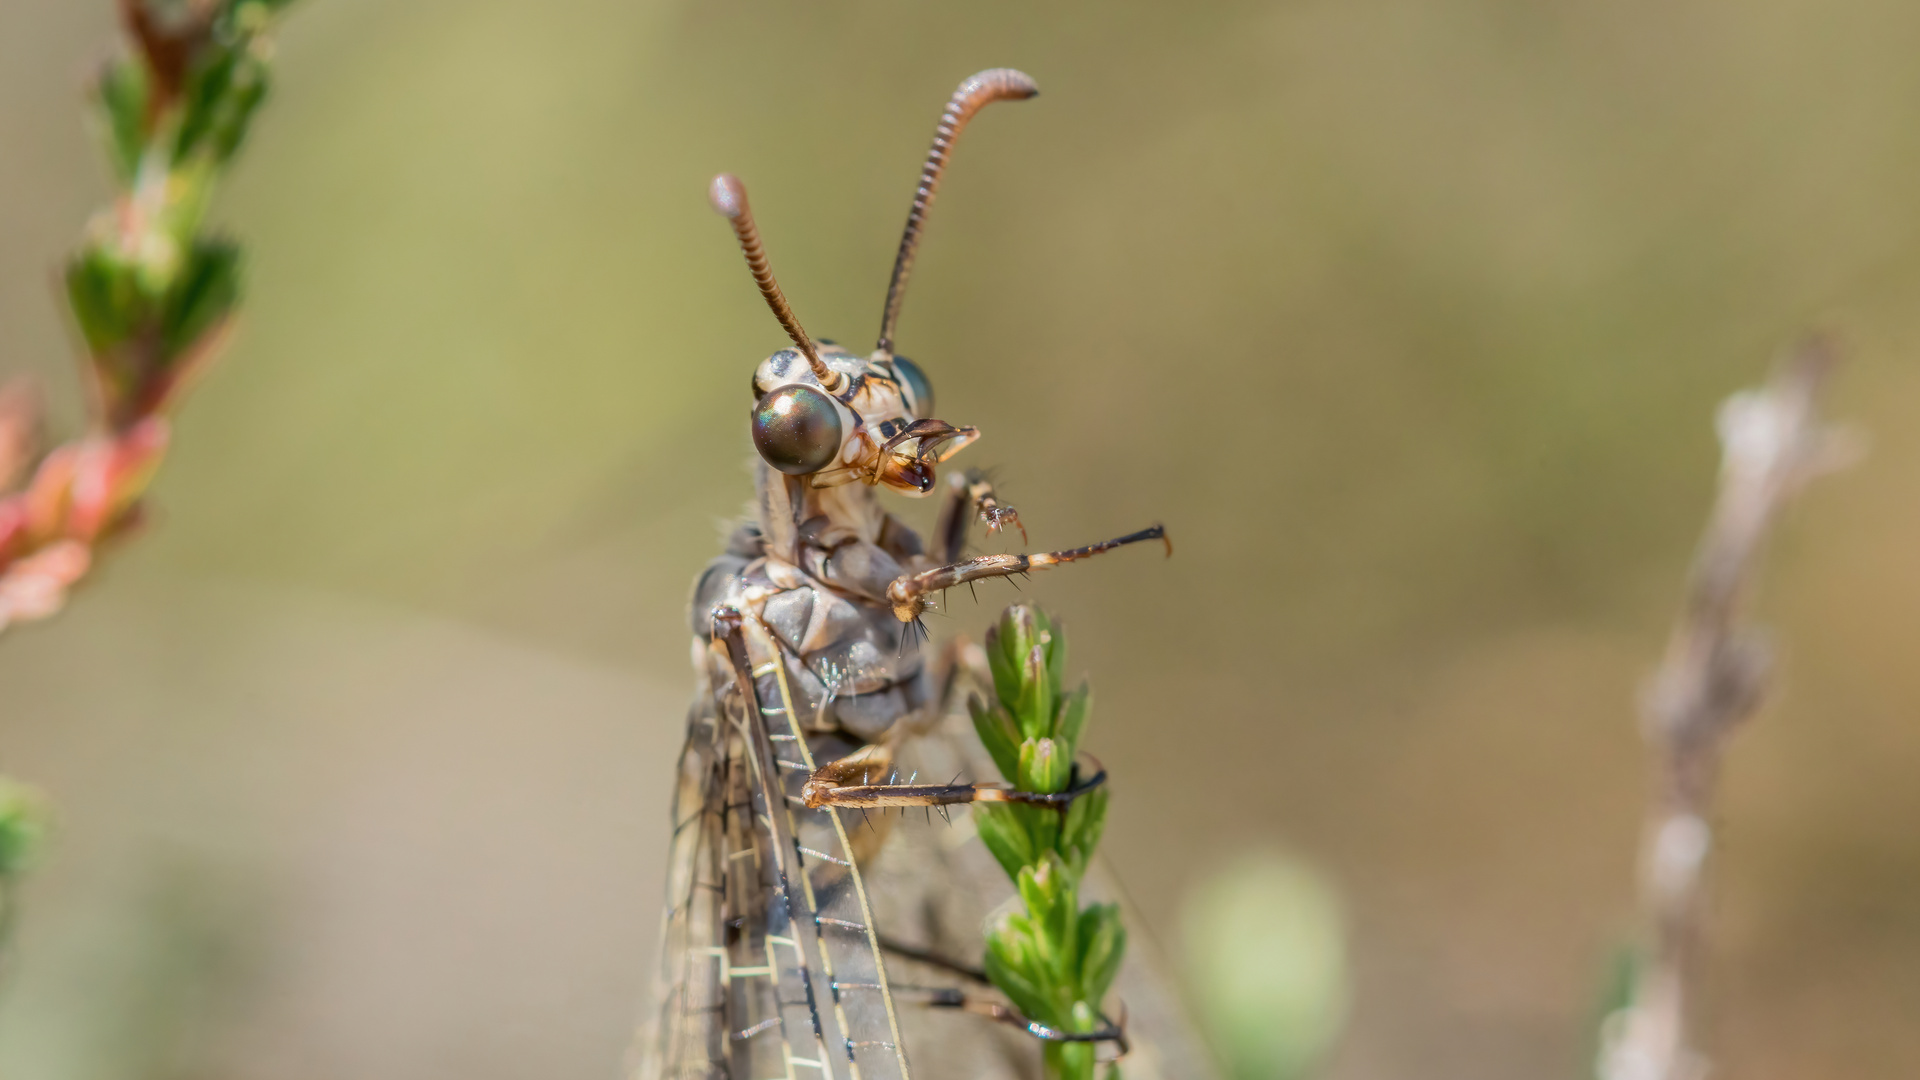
(1712,678)
(152,294)
(1056,961)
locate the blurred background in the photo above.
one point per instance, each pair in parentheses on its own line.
(1408,318)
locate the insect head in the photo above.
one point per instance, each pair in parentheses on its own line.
(827,414)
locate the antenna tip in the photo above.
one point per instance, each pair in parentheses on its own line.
(996,84)
(727,195)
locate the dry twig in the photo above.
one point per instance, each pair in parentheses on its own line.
(1711,679)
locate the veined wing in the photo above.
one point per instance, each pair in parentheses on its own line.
(826,909)
(688,1038)
(769,965)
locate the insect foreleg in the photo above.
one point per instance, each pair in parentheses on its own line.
(908,593)
(970,494)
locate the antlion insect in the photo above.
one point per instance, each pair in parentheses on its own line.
(805,637)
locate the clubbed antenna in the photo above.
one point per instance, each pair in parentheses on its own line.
(979,90)
(729,196)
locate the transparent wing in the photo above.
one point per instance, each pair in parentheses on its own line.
(688,1036)
(769,964)
(827,910)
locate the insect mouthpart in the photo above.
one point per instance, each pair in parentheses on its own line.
(932,442)
(908,474)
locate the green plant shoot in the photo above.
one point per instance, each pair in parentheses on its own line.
(1054,961)
(151,291)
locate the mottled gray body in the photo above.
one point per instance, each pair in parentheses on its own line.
(847,658)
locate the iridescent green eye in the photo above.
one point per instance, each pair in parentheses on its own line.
(796,429)
(914,382)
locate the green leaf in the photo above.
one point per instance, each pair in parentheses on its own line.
(236,119)
(1039,891)
(1008,643)
(106,298)
(1073,719)
(1103,943)
(22,826)
(1053,637)
(1033,708)
(1043,768)
(1042,826)
(998,636)
(1009,966)
(999,735)
(120,98)
(223,89)
(1080,833)
(209,84)
(207,291)
(1053,905)
(1005,835)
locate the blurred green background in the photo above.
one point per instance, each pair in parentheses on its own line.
(1408,318)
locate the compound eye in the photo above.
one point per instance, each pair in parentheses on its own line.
(919,390)
(796,429)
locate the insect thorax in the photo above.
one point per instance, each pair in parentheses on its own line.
(813,569)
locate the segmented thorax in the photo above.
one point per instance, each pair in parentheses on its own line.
(849,664)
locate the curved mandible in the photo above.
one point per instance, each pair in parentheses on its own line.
(978,91)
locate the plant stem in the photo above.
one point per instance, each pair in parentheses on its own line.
(1711,679)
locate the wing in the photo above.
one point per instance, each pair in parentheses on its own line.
(824,908)
(688,1037)
(769,966)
